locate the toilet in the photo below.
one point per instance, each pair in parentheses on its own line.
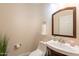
(40,51)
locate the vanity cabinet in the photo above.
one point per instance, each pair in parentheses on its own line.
(54,53)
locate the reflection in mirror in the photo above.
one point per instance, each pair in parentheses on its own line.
(64,22)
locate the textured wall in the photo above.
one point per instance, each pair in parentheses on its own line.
(21,23)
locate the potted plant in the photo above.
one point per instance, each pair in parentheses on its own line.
(3,45)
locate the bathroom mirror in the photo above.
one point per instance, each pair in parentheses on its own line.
(64,22)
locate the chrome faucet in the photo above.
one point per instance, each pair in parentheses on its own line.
(61,40)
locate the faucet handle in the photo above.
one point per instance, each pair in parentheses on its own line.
(55,38)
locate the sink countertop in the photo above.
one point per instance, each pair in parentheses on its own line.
(63,48)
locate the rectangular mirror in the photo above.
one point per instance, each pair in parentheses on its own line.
(64,22)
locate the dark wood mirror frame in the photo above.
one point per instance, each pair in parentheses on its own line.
(74,22)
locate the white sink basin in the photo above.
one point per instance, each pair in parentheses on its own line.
(63,48)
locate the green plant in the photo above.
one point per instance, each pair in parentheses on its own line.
(3,45)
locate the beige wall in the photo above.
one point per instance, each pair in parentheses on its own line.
(49,9)
(22,24)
